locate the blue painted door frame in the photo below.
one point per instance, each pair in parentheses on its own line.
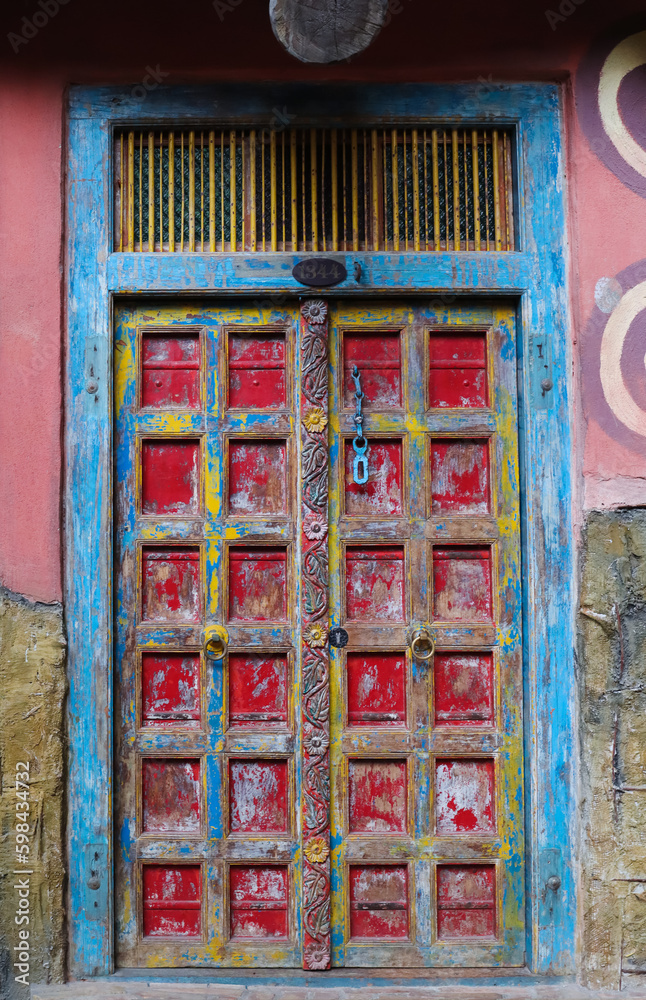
(535,275)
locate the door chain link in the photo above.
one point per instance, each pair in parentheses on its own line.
(360,445)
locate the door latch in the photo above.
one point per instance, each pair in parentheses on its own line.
(96,882)
(360,445)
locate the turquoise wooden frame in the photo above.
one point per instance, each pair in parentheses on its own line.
(535,275)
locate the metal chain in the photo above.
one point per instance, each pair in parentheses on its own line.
(360,445)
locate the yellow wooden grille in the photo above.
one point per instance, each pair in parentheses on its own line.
(215,190)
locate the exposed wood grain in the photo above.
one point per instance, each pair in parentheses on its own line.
(326,33)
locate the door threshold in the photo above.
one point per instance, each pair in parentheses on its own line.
(335,984)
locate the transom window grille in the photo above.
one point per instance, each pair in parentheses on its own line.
(314,189)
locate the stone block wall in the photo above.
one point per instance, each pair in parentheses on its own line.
(32,699)
(612,685)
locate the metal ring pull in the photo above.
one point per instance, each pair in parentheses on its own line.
(360,464)
(216,643)
(422,644)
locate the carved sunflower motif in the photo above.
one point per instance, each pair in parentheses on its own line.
(316,420)
(317,851)
(316,743)
(315,530)
(314,311)
(315,636)
(316,958)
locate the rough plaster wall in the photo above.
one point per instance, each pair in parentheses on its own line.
(612,658)
(32,695)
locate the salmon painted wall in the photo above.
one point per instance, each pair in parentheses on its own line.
(48,44)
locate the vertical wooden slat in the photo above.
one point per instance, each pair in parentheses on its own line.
(395,187)
(191,191)
(426,229)
(161,191)
(405,165)
(476,189)
(384,150)
(141,192)
(222,215)
(456,189)
(416,224)
(335,189)
(273,193)
(151,192)
(355,189)
(183,211)
(293,188)
(496,191)
(131,191)
(485,139)
(202,192)
(122,188)
(233,205)
(171,192)
(448,215)
(374,144)
(303,191)
(323,220)
(253,220)
(345,190)
(212,191)
(243,202)
(466,191)
(284,190)
(366,194)
(314,189)
(507,193)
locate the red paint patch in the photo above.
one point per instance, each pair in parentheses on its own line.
(170,685)
(259,901)
(171,796)
(457,370)
(375,584)
(460,477)
(462,584)
(257,478)
(170,376)
(466,901)
(463,684)
(378,358)
(464,796)
(172,896)
(258,584)
(382,493)
(257,690)
(377,794)
(171,584)
(258,796)
(378,901)
(257,371)
(170,477)
(376,689)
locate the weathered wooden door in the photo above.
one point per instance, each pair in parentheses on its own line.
(284,799)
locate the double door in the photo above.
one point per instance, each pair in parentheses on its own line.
(318,708)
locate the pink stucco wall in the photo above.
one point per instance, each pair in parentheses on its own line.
(30,336)
(115,42)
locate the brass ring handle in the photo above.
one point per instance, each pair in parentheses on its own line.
(422,644)
(217,643)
